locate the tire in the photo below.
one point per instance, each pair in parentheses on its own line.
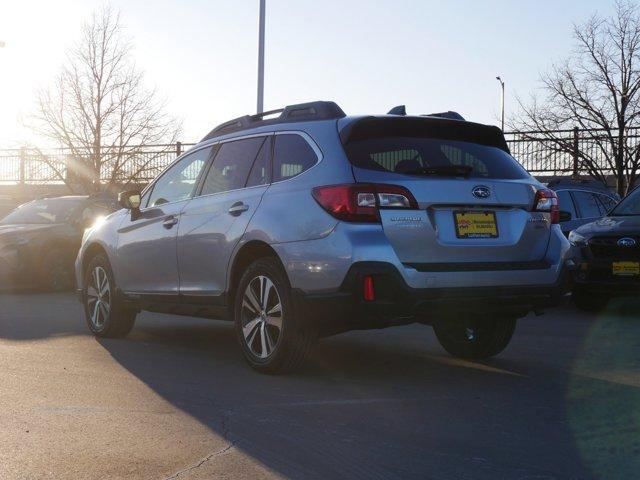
(105,312)
(482,340)
(589,302)
(273,340)
(56,271)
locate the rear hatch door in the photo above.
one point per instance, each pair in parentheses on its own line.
(474,199)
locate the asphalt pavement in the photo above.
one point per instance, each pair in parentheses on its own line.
(175,400)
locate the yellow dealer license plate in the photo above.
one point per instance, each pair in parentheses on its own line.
(476,224)
(626,268)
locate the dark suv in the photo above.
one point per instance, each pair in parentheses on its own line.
(39,240)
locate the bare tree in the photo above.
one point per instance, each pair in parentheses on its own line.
(100,110)
(596,89)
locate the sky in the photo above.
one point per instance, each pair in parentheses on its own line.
(368,56)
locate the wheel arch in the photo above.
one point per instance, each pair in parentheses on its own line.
(91,251)
(246,254)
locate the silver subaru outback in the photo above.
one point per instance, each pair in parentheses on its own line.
(303,223)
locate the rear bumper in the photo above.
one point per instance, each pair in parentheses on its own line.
(397,303)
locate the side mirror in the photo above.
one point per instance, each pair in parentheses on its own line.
(130,200)
(565,216)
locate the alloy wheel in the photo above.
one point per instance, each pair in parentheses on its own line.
(99,297)
(261,316)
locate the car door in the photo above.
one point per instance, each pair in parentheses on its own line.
(216,218)
(146,252)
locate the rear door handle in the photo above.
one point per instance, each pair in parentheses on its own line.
(238,208)
(170,222)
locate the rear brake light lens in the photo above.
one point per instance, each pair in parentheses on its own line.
(368,290)
(360,202)
(547,201)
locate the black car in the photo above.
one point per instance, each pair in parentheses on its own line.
(582,201)
(39,240)
(607,255)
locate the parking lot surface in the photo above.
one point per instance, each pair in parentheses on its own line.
(175,400)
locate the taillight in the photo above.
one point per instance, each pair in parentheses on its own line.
(547,201)
(359,202)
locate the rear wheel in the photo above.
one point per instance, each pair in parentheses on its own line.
(273,336)
(105,312)
(477,340)
(589,302)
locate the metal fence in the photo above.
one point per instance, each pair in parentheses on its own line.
(561,152)
(29,165)
(542,153)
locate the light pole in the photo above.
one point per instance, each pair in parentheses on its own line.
(261,58)
(502,103)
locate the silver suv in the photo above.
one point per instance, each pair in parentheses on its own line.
(311,223)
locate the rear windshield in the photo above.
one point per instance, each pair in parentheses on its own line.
(408,155)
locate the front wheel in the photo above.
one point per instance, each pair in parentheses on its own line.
(477,340)
(106,313)
(273,336)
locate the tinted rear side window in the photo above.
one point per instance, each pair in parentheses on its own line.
(566,203)
(231,165)
(292,156)
(588,204)
(407,155)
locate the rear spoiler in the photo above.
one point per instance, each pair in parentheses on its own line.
(423,127)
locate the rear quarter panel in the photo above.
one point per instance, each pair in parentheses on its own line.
(288,211)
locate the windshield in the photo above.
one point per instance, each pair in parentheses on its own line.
(52,210)
(630,205)
(433,156)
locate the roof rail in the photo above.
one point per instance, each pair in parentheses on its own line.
(292,113)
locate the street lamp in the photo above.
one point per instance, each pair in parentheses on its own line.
(261,58)
(502,103)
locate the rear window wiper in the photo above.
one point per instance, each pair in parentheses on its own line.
(444,170)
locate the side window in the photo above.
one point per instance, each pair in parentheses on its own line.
(607,202)
(292,156)
(588,204)
(231,165)
(566,203)
(261,171)
(178,182)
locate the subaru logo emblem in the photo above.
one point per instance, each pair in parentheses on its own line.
(626,242)
(480,191)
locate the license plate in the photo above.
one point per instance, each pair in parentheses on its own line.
(626,268)
(476,224)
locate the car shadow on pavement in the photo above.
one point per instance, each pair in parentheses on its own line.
(377,404)
(561,402)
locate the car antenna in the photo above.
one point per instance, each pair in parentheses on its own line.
(399,110)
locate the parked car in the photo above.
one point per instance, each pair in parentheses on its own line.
(582,201)
(314,223)
(607,254)
(6,205)
(39,240)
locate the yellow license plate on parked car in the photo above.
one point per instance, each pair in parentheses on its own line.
(626,268)
(476,224)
